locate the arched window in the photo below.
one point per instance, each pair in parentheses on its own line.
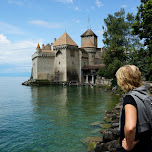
(58,53)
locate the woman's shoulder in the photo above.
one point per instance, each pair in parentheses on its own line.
(128,99)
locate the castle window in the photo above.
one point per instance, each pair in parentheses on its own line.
(58,53)
(59,62)
(72,53)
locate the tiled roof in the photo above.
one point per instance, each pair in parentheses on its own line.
(64,39)
(93,67)
(89,32)
(47,47)
(88,44)
(38,46)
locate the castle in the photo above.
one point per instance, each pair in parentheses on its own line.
(63,61)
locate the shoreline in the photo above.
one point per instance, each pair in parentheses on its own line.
(109,132)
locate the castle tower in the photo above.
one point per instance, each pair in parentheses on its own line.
(67,59)
(91,50)
(89,35)
(43,63)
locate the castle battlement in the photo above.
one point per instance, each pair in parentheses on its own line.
(43,54)
(56,48)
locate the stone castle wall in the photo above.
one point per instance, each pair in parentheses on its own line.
(92,38)
(60,65)
(43,65)
(91,55)
(34,65)
(73,64)
(45,68)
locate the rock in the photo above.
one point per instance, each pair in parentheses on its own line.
(111,146)
(105,126)
(108,112)
(110,134)
(114,125)
(102,147)
(98,123)
(107,119)
(94,139)
(107,147)
(115,119)
(91,146)
(36,82)
(107,136)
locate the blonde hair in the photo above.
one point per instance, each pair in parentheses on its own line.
(128,77)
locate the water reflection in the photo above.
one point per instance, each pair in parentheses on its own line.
(49,118)
(67,113)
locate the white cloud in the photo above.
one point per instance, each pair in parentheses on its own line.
(16,2)
(65,1)
(9,29)
(99,3)
(123,6)
(77,21)
(3,40)
(99,32)
(45,24)
(17,54)
(76,8)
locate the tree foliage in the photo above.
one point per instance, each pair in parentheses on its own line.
(143,25)
(123,39)
(143,60)
(118,41)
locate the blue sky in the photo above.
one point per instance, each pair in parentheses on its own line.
(24,23)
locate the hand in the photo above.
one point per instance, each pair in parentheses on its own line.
(128,147)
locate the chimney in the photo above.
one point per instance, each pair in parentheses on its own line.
(54,39)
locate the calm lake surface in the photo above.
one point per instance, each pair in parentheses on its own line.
(49,118)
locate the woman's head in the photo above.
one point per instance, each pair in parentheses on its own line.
(128,77)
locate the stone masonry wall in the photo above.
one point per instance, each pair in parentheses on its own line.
(92,38)
(45,68)
(73,64)
(34,64)
(60,66)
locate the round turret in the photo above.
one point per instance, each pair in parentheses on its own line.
(38,48)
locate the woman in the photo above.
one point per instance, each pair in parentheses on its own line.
(134,137)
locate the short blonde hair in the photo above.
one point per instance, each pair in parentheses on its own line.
(128,77)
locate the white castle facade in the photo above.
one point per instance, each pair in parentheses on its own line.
(63,61)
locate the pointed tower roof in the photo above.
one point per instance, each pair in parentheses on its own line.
(89,44)
(89,32)
(64,39)
(38,46)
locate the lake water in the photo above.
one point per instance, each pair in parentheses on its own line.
(49,118)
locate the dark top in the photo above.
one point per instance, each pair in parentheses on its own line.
(145,137)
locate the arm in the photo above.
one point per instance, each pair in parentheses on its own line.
(130,127)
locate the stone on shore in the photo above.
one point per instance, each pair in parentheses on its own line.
(36,82)
(110,133)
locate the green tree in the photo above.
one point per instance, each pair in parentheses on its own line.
(142,27)
(143,60)
(118,41)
